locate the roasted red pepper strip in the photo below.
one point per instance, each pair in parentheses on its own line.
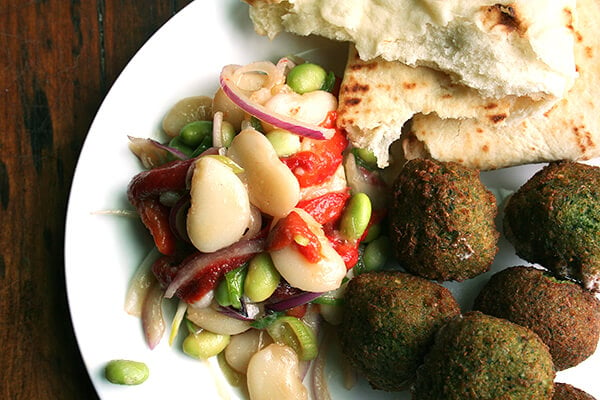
(155,216)
(143,193)
(288,230)
(165,269)
(314,166)
(153,182)
(347,249)
(325,208)
(298,311)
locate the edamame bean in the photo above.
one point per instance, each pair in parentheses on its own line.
(284,142)
(126,372)
(178,144)
(204,344)
(376,253)
(194,133)
(373,233)
(356,216)
(262,278)
(306,77)
(227,133)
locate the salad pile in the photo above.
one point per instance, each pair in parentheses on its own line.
(260,211)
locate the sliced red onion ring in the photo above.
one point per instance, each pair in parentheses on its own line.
(177,218)
(236,95)
(141,142)
(319,385)
(153,323)
(293,301)
(140,284)
(203,260)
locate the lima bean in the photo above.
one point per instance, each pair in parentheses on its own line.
(126,372)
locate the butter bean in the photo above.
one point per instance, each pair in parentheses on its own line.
(212,320)
(220,208)
(283,378)
(324,275)
(272,187)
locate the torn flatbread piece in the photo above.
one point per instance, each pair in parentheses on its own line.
(377,97)
(569,130)
(500,48)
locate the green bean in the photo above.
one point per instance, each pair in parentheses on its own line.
(306,77)
(356,216)
(126,372)
(377,253)
(204,344)
(262,278)
(194,133)
(284,142)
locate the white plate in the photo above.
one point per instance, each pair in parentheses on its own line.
(102,251)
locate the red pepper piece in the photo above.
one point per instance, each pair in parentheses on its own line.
(325,208)
(143,193)
(298,311)
(165,269)
(290,228)
(155,216)
(153,182)
(314,166)
(347,249)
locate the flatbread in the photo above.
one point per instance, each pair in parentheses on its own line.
(500,47)
(569,130)
(377,97)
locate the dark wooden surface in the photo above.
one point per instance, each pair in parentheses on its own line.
(58,59)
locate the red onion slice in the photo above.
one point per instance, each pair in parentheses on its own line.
(293,301)
(153,323)
(236,95)
(177,218)
(203,260)
(140,284)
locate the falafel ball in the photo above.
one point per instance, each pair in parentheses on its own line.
(388,325)
(442,221)
(477,356)
(563,314)
(554,220)
(564,391)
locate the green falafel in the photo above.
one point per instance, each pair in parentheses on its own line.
(554,220)
(442,221)
(388,325)
(477,356)
(563,314)
(564,391)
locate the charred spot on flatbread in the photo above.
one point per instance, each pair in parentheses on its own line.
(502,17)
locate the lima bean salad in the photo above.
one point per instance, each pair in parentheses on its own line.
(260,212)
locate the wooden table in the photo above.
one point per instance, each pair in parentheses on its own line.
(58,59)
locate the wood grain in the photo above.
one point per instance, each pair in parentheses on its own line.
(58,59)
